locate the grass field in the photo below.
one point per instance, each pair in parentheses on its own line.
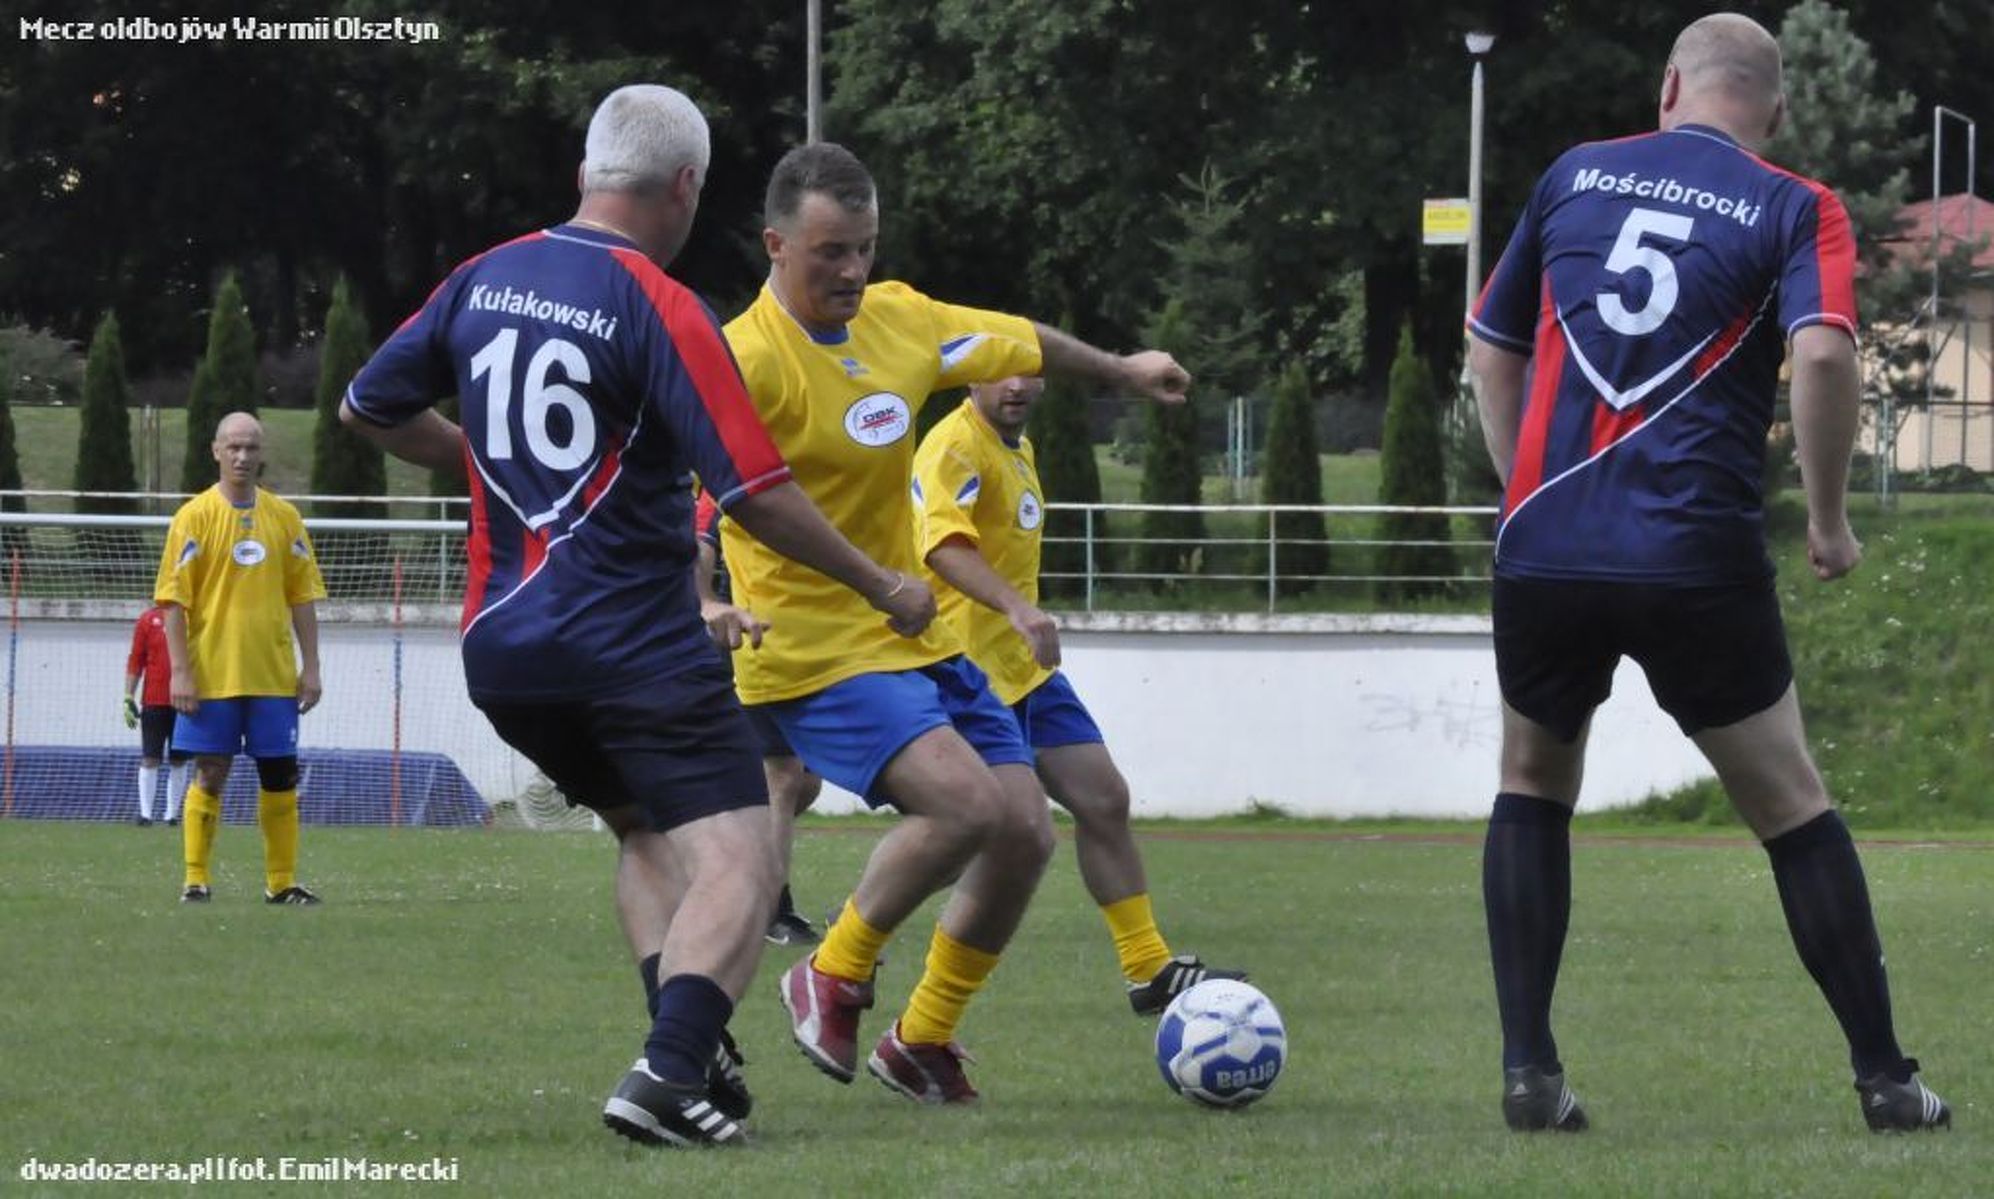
(465,995)
(47,441)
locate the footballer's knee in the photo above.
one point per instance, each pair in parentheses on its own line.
(277,774)
(1026,822)
(1104,805)
(793,787)
(975,813)
(211,773)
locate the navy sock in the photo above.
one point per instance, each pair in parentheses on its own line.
(691,1012)
(785,904)
(1527,893)
(648,970)
(1826,898)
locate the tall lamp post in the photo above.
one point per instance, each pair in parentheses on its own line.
(1479,44)
(813,87)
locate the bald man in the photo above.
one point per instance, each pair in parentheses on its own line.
(237,577)
(1626,356)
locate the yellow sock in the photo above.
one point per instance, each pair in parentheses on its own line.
(851,947)
(277,816)
(955,972)
(203,812)
(1137,943)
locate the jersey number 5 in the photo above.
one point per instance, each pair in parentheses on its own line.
(538,401)
(1630,255)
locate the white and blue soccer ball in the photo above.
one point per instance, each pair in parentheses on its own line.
(1221,1043)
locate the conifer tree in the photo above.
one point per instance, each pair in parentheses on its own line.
(1414,475)
(343,462)
(1292,474)
(104,435)
(1063,444)
(225,381)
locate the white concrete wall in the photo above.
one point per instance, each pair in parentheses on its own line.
(1323,715)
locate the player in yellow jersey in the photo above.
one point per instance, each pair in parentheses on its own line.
(980,520)
(837,370)
(237,578)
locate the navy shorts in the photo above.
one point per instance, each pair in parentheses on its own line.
(675,749)
(262,726)
(1713,655)
(767,731)
(155,734)
(849,731)
(1051,715)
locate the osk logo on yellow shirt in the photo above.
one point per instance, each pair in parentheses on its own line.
(247,552)
(881,418)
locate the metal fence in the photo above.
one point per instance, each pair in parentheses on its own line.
(1245,557)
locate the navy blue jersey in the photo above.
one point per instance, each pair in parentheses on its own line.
(1654,282)
(593,386)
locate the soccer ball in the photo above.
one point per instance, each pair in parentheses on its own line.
(1221,1044)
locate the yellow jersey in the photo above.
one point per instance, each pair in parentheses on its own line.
(842,413)
(236,572)
(971,483)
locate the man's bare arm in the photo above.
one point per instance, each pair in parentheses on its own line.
(968,571)
(427,440)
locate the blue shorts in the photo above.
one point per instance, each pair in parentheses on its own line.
(262,726)
(1051,715)
(849,731)
(674,749)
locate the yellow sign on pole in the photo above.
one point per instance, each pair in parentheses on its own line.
(1445,223)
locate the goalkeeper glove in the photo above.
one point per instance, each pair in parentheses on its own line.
(131,712)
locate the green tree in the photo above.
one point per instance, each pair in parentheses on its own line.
(1413,475)
(343,462)
(104,436)
(1845,128)
(1172,541)
(225,381)
(1063,442)
(1209,321)
(1292,474)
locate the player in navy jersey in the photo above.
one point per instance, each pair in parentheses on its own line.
(593,386)
(1626,354)
(793,787)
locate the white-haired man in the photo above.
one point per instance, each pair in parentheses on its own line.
(594,387)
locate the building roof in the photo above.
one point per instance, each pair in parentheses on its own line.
(1958,215)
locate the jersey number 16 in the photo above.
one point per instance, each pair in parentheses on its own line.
(539,398)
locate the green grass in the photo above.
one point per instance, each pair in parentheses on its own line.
(1894,666)
(1346,479)
(465,994)
(47,437)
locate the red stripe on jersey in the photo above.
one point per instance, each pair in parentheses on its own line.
(1609,426)
(612,461)
(1834,245)
(1548,368)
(477,547)
(705,517)
(1834,253)
(714,376)
(1717,350)
(533,236)
(532,552)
